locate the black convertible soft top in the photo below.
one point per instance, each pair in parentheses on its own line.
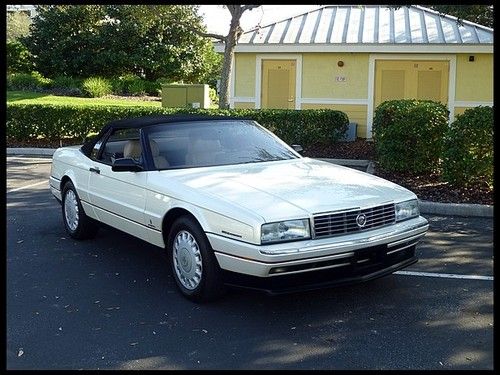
(140,122)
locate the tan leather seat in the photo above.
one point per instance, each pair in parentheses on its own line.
(160,161)
(132,149)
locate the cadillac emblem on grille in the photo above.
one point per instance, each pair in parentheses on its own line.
(361,220)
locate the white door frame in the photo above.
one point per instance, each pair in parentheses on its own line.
(452,59)
(274,56)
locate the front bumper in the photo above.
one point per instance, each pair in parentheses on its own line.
(387,247)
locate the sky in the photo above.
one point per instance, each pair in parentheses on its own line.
(217,18)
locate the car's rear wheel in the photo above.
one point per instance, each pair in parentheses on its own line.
(76,222)
(194,266)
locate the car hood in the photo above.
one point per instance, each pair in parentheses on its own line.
(291,188)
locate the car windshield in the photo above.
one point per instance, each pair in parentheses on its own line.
(213,143)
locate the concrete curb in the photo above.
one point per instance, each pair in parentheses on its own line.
(31,151)
(347,162)
(426,207)
(456,209)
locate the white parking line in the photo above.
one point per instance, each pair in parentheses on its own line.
(28,186)
(444,275)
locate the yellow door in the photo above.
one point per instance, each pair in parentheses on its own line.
(278,84)
(411,79)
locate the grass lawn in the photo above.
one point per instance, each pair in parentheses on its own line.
(28,97)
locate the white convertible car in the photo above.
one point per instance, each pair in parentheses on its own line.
(232,204)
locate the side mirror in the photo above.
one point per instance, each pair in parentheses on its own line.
(298,148)
(126,165)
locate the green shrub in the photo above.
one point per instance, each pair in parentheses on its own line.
(305,127)
(137,87)
(117,86)
(19,59)
(130,84)
(468,148)
(95,87)
(33,81)
(64,85)
(152,88)
(408,134)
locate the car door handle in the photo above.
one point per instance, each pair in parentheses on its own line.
(95,170)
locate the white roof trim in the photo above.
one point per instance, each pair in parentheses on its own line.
(374,48)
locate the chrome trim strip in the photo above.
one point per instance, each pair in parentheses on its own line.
(291,262)
(309,269)
(392,244)
(401,248)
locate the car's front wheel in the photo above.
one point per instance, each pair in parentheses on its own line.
(77,224)
(194,266)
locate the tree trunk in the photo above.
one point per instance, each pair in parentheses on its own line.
(232,37)
(224,94)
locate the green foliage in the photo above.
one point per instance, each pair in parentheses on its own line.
(408,134)
(33,81)
(63,85)
(152,88)
(214,98)
(95,87)
(137,87)
(130,84)
(468,148)
(27,121)
(18,25)
(19,59)
(481,14)
(150,41)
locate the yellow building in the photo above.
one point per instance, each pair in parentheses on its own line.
(352,58)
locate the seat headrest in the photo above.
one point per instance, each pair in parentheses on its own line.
(132,149)
(155,149)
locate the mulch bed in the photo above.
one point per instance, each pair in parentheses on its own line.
(428,187)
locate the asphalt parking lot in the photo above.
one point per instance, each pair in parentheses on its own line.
(111,303)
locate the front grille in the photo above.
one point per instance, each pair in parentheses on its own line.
(338,223)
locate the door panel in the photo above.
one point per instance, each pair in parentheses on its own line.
(432,77)
(429,85)
(411,79)
(278,84)
(118,196)
(393,85)
(121,193)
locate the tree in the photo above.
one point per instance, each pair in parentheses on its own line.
(112,40)
(230,40)
(19,59)
(18,25)
(481,14)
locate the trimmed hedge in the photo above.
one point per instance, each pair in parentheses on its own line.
(468,148)
(408,134)
(53,122)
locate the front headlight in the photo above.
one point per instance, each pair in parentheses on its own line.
(407,210)
(282,231)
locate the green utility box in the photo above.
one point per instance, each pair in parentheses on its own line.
(194,96)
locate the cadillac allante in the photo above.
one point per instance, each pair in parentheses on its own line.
(232,204)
